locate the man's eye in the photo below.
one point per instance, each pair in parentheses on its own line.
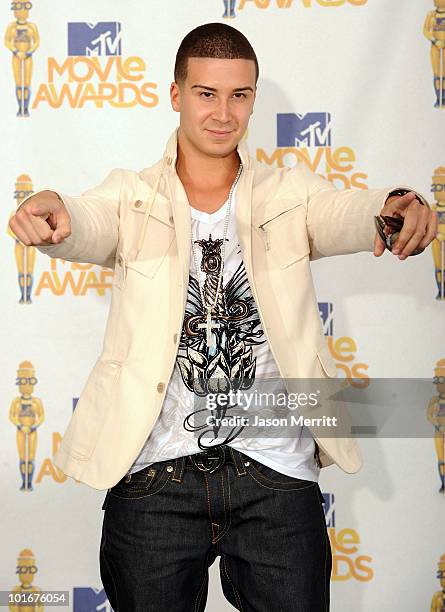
(240,95)
(206,94)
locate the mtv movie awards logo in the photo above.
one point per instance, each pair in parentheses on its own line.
(308,138)
(347,563)
(75,278)
(343,349)
(230,5)
(95,72)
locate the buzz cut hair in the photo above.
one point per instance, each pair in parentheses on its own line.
(213,40)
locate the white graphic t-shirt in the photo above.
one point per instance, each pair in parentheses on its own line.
(240,346)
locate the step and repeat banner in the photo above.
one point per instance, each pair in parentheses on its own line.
(355,89)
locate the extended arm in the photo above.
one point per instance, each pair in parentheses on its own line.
(94,217)
(339,222)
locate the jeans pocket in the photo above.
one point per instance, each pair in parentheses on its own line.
(271,479)
(143,483)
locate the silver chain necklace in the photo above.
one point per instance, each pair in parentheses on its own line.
(208,325)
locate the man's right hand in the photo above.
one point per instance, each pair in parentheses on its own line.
(42,220)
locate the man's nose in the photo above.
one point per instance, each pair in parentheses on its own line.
(222,111)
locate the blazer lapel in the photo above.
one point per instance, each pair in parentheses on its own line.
(183,225)
(243,218)
(182,217)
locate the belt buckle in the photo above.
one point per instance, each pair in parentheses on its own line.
(216,462)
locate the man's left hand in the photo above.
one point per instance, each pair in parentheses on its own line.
(420,225)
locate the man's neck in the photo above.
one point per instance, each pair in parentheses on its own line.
(201,171)
(206,180)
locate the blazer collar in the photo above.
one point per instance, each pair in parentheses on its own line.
(181,208)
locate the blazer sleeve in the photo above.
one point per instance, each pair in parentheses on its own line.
(94,223)
(340,222)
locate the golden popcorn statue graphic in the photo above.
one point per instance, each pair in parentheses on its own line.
(26,570)
(438,244)
(434,30)
(25,256)
(22,39)
(438,600)
(26,413)
(436,416)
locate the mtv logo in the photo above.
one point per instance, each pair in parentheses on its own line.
(309,130)
(329,509)
(326,311)
(88,599)
(101,38)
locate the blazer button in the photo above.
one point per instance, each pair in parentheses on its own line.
(138,203)
(160,387)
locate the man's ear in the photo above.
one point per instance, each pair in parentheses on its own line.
(175,96)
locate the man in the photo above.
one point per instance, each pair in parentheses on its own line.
(212,291)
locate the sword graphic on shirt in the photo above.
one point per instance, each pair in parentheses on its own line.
(229,365)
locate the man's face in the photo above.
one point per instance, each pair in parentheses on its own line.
(215,103)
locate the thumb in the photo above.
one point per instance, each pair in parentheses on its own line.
(41,209)
(63,227)
(379,247)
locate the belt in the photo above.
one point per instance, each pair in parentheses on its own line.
(209,460)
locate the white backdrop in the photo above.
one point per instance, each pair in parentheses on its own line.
(364,62)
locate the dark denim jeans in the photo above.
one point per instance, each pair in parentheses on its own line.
(164,527)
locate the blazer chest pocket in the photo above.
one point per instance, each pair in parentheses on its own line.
(154,250)
(284,233)
(147,267)
(158,238)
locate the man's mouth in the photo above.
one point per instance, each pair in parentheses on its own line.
(220,133)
